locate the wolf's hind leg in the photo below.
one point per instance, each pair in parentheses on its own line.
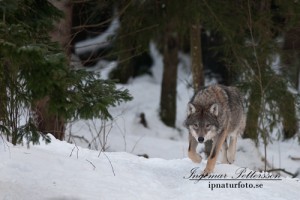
(232,149)
(224,152)
(192,153)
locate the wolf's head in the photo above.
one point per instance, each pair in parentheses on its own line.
(202,121)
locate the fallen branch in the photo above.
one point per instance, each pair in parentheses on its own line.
(294,158)
(283,170)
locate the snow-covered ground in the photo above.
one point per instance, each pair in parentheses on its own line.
(61,170)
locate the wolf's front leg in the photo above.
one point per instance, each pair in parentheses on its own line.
(217,144)
(192,153)
(232,149)
(224,152)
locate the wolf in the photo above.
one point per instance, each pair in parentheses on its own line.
(215,112)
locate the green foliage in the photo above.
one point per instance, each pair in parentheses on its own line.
(32,67)
(24,48)
(87,96)
(30,133)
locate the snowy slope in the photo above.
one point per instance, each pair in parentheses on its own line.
(61,171)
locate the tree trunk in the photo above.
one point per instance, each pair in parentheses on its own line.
(251,130)
(47,121)
(287,111)
(287,108)
(298,72)
(62,31)
(196,54)
(169,81)
(3,96)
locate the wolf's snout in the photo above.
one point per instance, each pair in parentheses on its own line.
(200,139)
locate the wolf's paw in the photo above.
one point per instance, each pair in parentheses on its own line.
(230,159)
(195,157)
(225,161)
(207,171)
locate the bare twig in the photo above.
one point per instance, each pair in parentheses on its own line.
(112,167)
(79,137)
(94,167)
(74,148)
(105,136)
(99,134)
(135,144)
(123,133)
(100,153)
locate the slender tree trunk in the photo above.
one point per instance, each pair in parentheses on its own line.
(3,96)
(291,53)
(286,103)
(197,66)
(251,130)
(196,54)
(47,121)
(169,81)
(4,118)
(298,72)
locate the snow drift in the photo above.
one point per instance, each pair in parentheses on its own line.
(61,170)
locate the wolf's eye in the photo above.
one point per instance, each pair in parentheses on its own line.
(207,126)
(195,126)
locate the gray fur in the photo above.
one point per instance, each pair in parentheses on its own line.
(215,112)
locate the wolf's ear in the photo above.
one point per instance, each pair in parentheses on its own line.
(191,109)
(214,109)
